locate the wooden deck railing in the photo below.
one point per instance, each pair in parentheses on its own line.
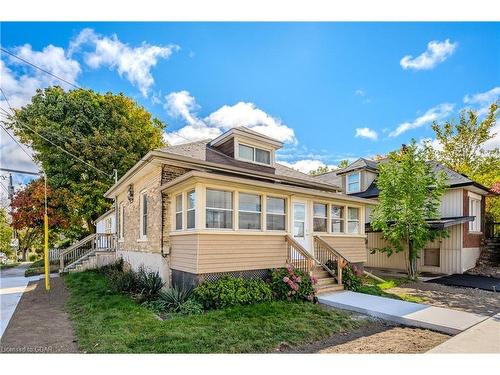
(297,256)
(332,260)
(85,247)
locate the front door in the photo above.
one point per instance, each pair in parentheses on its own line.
(301,224)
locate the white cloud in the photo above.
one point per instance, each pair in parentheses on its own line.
(20,84)
(483,100)
(366,133)
(436,53)
(436,113)
(495,141)
(306,165)
(135,63)
(183,105)
(359,92)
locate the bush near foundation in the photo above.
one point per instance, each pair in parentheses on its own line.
(292,284)
(232,291)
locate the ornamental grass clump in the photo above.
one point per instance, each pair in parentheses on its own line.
(292,284)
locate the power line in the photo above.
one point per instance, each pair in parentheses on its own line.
(15,140)
(39,68)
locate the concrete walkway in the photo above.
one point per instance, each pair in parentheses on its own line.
(481,338)
(12,286)
(402,312)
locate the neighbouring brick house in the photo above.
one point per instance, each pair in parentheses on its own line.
(200,210)
(462,214)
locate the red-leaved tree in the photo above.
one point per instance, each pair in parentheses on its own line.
(28,210)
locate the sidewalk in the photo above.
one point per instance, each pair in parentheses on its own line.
(402,312)
(481,338)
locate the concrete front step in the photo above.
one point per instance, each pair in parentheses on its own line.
(326,281)
(332,288)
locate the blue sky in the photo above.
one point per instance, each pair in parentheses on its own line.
(329,90)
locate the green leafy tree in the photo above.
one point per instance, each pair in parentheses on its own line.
(404,207)
(320,170)
(463,150)
(5,233)
(107,131)
(343,163)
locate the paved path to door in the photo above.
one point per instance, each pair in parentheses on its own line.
(481,338)
(402,312)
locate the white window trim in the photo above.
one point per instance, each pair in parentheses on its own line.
(253,147)
(475,226)
(121,221)
(178,212)
(275,213)
(342,219)
(193,190)
(327,207)
(352,220)
(142,236)
(251,212)
(232,210)
(347,182)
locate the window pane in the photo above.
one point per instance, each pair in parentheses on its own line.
(299,211)
(337,226)
(337,212)
(298,229)
(319,210)
(249,220)
(191,199)
(353,213)
(275,205)
(249,202)
(319,225)
(219,199)
(246,152)
(145,204)
(353,227)
(275,222)
(219,219)
(262,156)
(178,203)
(191,219)
(178,220)
(353,178)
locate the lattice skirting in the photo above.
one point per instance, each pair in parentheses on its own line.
(186,279)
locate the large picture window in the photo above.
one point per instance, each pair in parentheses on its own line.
(337,215)
(353,182)
(276,214)
(254,154)
(219,209)
(352,220)
(178,212)
(191,209)
(475,210)
(320,217)
(249,211)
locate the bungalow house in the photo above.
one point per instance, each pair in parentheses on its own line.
(462,214)
(225,206)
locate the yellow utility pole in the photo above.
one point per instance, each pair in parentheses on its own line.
(46,240)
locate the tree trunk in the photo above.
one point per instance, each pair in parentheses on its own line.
(412,261)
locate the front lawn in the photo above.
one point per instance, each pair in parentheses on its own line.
(108,322)
(370,286)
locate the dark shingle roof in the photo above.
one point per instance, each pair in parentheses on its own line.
(202,151)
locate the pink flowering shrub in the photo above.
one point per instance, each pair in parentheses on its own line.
(292,284)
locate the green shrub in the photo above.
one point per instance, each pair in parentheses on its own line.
(232,291)
(156,305)
(350,277)
(123,281)
(149,283)
(292,284)
(174,298)
(116,266)
(32,257)
(191,307)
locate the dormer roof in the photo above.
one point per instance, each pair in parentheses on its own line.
(245,132)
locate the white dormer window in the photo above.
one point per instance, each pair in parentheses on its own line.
(254,154)
(353,182)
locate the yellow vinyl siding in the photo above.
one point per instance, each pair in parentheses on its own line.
(184,253)
(226,252)
(353,248)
